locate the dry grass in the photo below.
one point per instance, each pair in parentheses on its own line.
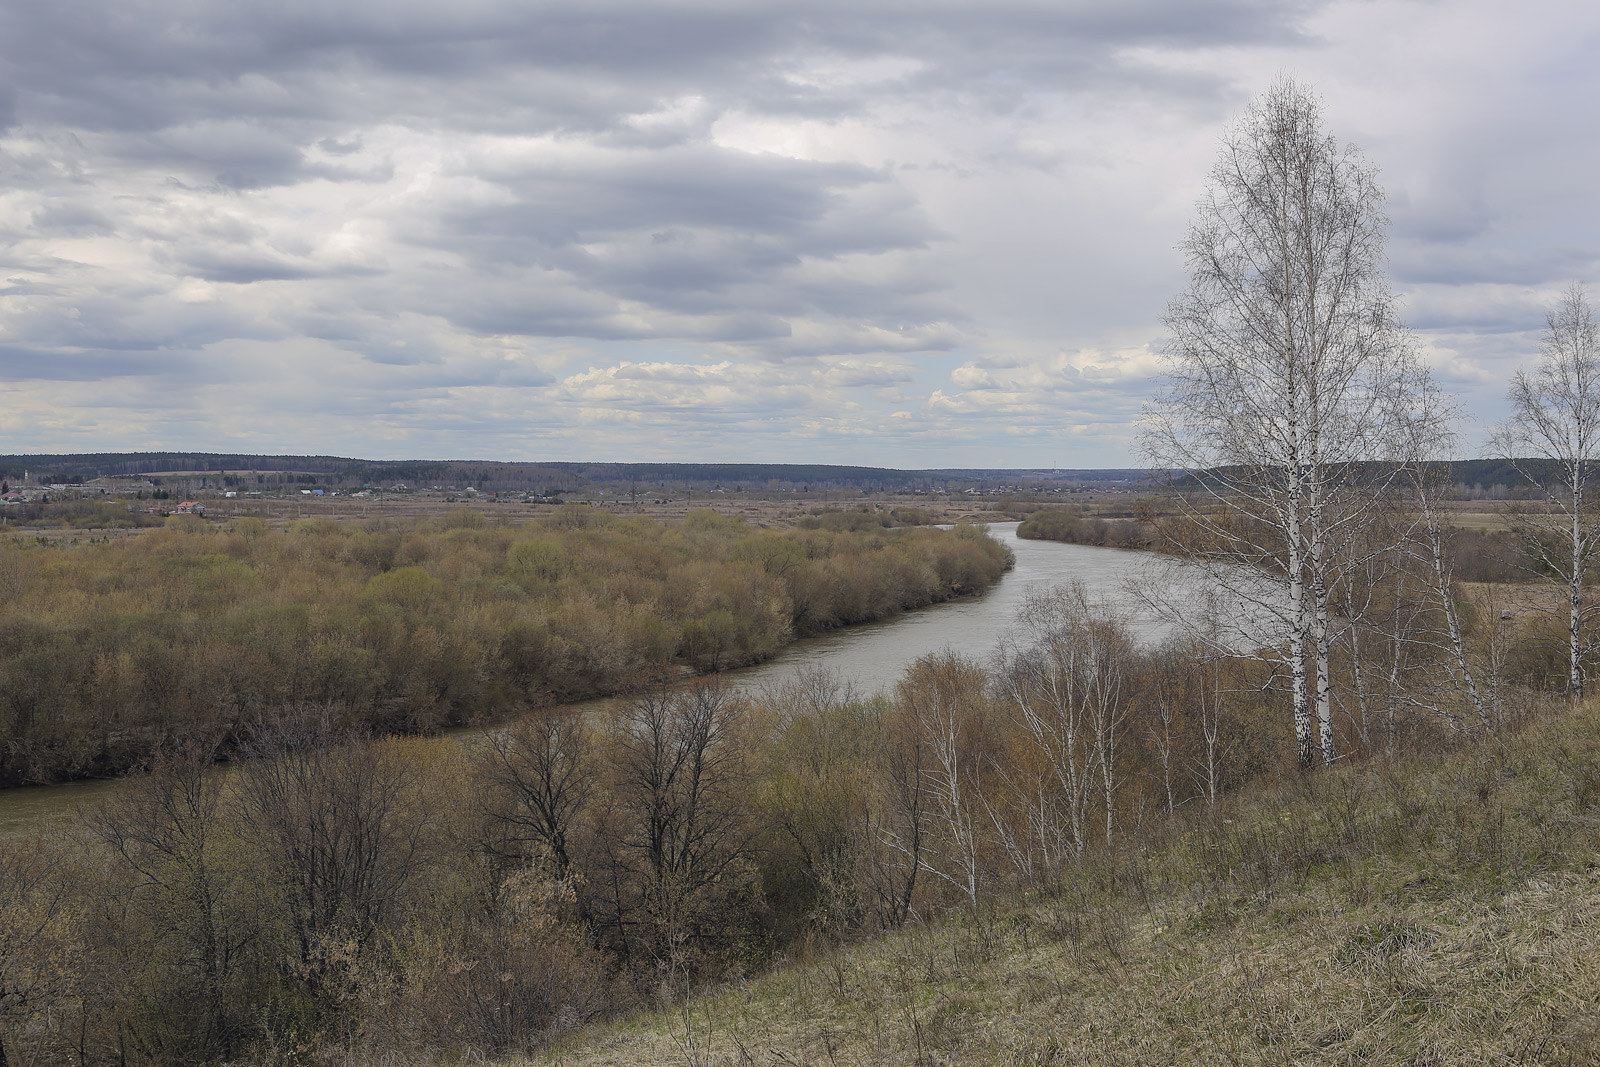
(1479,520)
(1520,598)
(764,509)
(1440,911)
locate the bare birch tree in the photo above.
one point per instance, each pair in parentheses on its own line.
(1285,366)
(1062,671)
(939,695)
(1553,440)
(1431,443)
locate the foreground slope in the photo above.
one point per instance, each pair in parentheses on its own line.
(1437,910)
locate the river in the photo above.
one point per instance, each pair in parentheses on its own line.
(868,657)
(872,656)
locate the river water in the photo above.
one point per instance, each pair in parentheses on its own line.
(867,658)
(872,656)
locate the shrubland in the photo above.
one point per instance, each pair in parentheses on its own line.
(199,631)
(1064,524)
(1073,848)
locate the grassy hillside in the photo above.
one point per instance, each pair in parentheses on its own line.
(1440,910)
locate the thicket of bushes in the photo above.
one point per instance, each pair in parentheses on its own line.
(1055,524)
(1431,908)
(198,630)
(864,519)
(87,514)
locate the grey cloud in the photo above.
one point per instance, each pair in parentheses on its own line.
(142,66)
(714,240)
(1441,216)
(20,363)
(247,98)
(411,199)
(689,186)
(69,219)
(1429,264)
(335,147)
(243,267)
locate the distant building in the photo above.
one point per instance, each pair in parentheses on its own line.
(190,507)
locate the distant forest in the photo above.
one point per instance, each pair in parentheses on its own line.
(1473,477)
(546,477)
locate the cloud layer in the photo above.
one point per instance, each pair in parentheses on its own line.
(915,235)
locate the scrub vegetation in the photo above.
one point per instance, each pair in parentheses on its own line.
(1073,527)
(200,632)
(1079,848)
(1433,909)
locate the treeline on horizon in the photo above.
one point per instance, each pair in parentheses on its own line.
(1472,478)
(1476,555)
(544,476)
(85,465)
(202,631)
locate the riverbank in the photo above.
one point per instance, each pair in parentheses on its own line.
(865,658)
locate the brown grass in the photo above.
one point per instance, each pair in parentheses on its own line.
(1478,520)
(765,510)
(1418,911)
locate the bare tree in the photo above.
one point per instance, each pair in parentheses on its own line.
(1553,440)
(169,831)
(940,696)
(680,761)
(538,772)
(1431,442)
(38,949)
(339,828)
(897,828)
(1286,366)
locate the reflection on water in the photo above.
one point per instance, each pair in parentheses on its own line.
(867,657)
(36,807)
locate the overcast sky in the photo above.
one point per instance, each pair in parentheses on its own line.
(904,234)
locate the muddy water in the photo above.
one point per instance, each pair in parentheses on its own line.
(868,657)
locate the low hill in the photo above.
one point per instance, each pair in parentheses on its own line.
(1423,911)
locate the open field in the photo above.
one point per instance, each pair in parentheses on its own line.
(769,511)
(1476,517)
(765,510)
